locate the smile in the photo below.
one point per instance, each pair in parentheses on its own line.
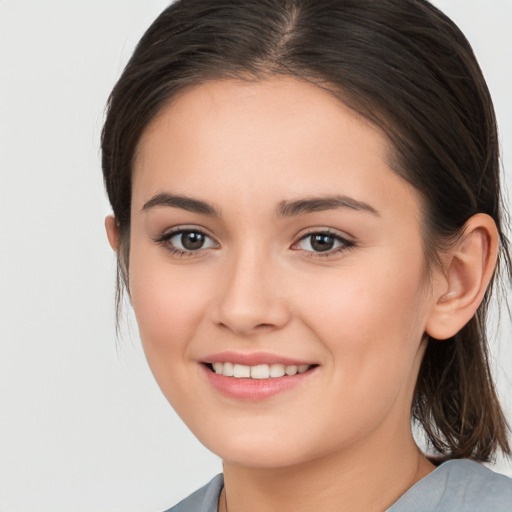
(260,371)
(256,380)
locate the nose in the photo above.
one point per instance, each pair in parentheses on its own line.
(250,298)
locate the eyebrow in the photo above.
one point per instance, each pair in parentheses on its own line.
(284,209)
(183,202)
(318,204)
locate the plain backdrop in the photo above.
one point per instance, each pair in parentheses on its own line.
(83,426)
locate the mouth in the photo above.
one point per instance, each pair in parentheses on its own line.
(259,371)
(257,381)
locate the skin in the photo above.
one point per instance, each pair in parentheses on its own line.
(341,439)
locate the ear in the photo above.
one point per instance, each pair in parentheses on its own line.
(468,268)
(112,232)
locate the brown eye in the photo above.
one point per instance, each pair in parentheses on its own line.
(192,240)
(187,241)
(321,242)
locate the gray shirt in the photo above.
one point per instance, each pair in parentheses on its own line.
(455,486)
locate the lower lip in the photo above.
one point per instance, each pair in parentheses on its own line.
(254,389)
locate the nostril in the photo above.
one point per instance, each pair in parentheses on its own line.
(240,327)
(264,326)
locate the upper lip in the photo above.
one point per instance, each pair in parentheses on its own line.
(253,359)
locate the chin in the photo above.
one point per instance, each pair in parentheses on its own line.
(261,458)
(258,450)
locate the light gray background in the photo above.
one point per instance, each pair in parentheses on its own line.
(83,427)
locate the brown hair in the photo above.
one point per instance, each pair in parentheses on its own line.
(404,66)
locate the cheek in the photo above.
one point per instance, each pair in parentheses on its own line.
(373,301)
(371,319)
(169,308)
(169,305)
(372,328)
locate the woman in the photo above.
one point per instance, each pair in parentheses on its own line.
(307,219)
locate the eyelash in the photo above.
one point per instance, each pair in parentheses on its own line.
(165,240)
(344,244)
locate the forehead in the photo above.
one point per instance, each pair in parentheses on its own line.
(244,107)
(277,136)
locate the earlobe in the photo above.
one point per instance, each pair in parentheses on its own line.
(469,267)
(112,232)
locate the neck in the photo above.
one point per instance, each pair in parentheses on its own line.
(349,480)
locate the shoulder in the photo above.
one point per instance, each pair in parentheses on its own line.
(203,500)
(458,485)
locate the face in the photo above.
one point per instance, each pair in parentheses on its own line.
(277,272)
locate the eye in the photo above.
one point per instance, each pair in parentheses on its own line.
(186,241)
(323,242)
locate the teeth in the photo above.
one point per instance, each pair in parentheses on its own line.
(241,371)
(228,370)
(277,370)
(260,371)
(290,370)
